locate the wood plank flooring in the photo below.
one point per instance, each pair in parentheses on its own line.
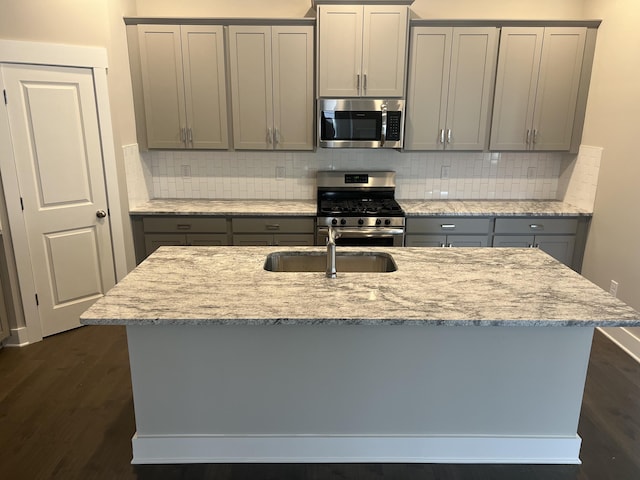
(66,412)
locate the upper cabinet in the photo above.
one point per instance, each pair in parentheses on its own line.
(362,50)
(537,87)
(271,70)
(183,84)
(451,74)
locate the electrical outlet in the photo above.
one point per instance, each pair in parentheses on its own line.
(186,171)
(613,288)
(280,173)
(444,172)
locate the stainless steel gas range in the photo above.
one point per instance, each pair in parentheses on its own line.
(361,207)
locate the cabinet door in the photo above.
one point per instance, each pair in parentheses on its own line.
(163,85)
(154,240)
(559,247)
(292,49)
(251,88)
(557,92)
(473,60)
(384,50)
(515,241)
(429,62)
(205,86)
(339,50)
(467,241)
(516,83)
(425,240)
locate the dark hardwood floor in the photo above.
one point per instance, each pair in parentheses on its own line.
(66,412)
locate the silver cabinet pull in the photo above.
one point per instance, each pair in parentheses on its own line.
(358,82)
(364,83)
(269,136)
(276,136)
(101,214)
(535,136)
(183,226)
(183,134)
(448,226)
(449,135)
(442,136)
(528,137)
(442,245)
(272,226)
(536,226)
(190,135)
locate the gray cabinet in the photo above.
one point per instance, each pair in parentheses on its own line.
(451,73)
(183,230)
(291,231)
(537,86)
(556,236)
(448,232)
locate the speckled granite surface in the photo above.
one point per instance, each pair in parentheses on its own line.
(308,207)
(491,208)
(432,286)
(173,206)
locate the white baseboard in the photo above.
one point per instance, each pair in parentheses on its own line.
(19,338)
(626,340)
(354,449)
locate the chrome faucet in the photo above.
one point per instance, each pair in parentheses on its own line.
(332,236)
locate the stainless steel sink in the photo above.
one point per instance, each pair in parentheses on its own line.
(317,262)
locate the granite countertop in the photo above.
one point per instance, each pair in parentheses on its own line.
(432,286)
(179,206)
(491,208)
(171,206)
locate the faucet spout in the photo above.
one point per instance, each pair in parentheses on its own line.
(331,252)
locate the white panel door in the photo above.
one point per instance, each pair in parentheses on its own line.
(57,150)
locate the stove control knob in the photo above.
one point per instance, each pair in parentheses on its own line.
(378,221)
(334,221)
(387,222)
(343,221)
(360,221)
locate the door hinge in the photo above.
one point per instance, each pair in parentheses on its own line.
(21,204)
(4,93)
(37,301)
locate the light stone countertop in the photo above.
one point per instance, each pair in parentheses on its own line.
(178,206)
(308,207)
(432,286)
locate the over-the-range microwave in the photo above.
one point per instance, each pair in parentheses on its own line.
(360,123)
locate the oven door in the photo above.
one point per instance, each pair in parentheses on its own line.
(364,237)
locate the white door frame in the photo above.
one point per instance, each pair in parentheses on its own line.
(36,53)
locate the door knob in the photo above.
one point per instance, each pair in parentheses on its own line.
(101,214)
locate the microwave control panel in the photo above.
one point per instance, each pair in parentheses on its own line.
(393,125)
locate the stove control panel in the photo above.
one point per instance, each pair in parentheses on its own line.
(361,222)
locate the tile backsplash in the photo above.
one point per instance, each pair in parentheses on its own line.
(291,175)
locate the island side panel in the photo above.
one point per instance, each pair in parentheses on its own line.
(381,382)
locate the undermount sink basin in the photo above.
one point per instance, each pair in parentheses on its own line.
(317,262)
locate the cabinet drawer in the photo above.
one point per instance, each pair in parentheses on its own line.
(536,225)
(185,224)
(272,225)
(448,225)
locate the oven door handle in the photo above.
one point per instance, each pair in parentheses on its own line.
(378,231)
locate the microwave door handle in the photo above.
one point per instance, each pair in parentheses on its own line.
(383,133)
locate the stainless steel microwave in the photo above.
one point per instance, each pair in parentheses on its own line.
(360,123)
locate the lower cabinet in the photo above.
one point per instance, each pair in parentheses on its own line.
(563,238)
(556,236)
(448,232)
(265,231)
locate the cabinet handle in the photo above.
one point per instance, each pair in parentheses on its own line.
(528,137)
(442,245)
(536,226)
(364,84)
(276,136)
(272,226)
(269,136)
(190,135)
(535,136)
(358,82)
(183,134)
(442,136)
(450,245)
(449,226)
(449,135)
(183,226)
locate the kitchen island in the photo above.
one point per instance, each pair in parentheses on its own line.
(461,355)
